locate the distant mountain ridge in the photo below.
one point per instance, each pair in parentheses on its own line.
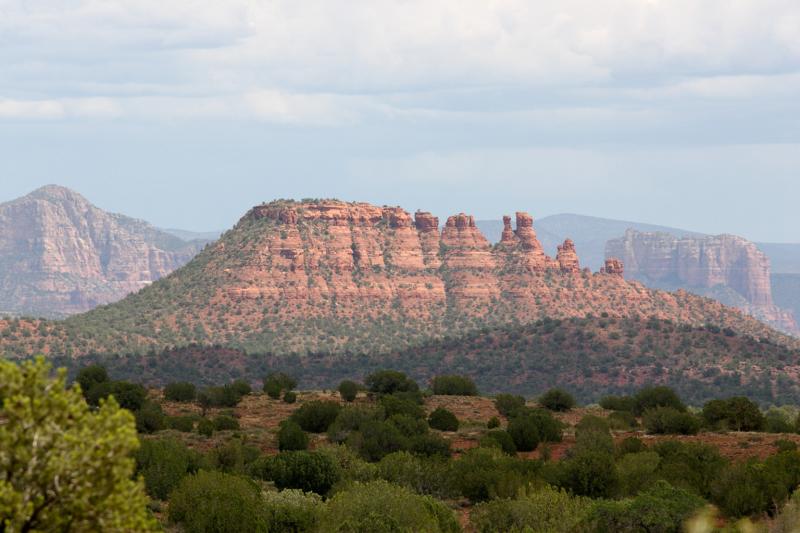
(61,255)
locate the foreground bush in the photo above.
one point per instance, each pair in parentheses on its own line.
(163,463)
(213,502)
(557,400)
(453,386)
(430,476)
(292,510)
(380,507)
(307,471)
(49,477)
(484,473)
(291,437)
(546,510)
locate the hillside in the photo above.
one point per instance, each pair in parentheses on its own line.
(61,255)
(335,277)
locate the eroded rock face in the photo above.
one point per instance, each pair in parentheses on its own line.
(613,267)
(61,255)
(567,257)
(726,267)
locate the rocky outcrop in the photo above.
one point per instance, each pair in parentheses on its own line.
(613,267)
(726,267)
(567,257)
(61,255)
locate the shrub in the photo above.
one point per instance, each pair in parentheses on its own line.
(593,434)
(501,439)
(408,425)
(775,421)
(737,413)
(557,400)
(307,471)
(747,489)
(181,391)
(484,473)
(546,510)
(163,463)
(636,472)
(129,396)
(493,423)
(662,508)
(508,403)
(351,466)
(784,445)
(443,420)
(377,439)
(670,421)
(429,445)
(394,404)
(590,473)
(380,507)
(232,457)
(630,445)
(348,390)
(225,423)
(690,465)
(241,387)
(277,382)
(90,376)
(219,503)
(659,396)
(390,382)
(292,510)
(205,427)
(291,437)
(150,418)
(289,397)
(533,426)
(316,416)
(225,396)
(183,424)
(453,386)
(622,420)
(618,403)
(350,419)
(420,474)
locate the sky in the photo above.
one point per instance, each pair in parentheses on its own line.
(186,113)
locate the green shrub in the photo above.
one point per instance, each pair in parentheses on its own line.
(408,425)
(377,439)
(380,507)
(689,465)
(532,426)
(225,396)
(150,418)
(453,386)
(481,474)
(129,396)
(390,382)
(737,413)
(350,419)
(662,509)
(289,397)
(557,400)
(181,391)
(348,390)
(546,510)
(630,445)
(785,445)
(670,421)
(394,404)
(278,382)
(590,473)
(351,466)
(205,427)
(291,437)
(493,423)
(225,423)
(184,424)
(420,474)
(653,397)
(241,387)
(316,416)
(443,420)
(292,510)
(622,420)
(90,376)
(429,445)
(775,421)
(637,472)
(232,457)
(593,434)
(746,489)
(307,471)
(163,463)
(501,439)
(508,403)
(214,502)
(618,403)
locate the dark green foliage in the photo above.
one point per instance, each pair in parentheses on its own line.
(622,420)
(233,457)
(737,413)
(225,423)
(90,376)
(289,397)
(500,439)
(390,382)
(637,472)
(661,509)
(784,445)
(545,510)
(777,422)
(529,427)
(508,403)
(630,445)
(409,425)
(689,465)
(660,396)
(277,382)
(748,489)
(670,421)
(484,473)
(225,396)
(130,396)
(241,387)
(150,418)
(398,404)
(350,419)
(453,385)
(443,420)
(205,427)
(590,473)
(214,502)
(348,390)
(291,437)
(557,400)
(377,439)
(163,463)
(493,423)
(593,434)
(316,416)
(423,475)
(307,471)
(184,424)
(618,403)
(180,391)
(429,445)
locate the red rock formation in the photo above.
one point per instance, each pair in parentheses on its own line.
(428,229)
(567,257)
(508,237)
(60,255)
(614,267)
(711,266)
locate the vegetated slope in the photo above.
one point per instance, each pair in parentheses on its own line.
(590,357)
(336,277)
(61,255)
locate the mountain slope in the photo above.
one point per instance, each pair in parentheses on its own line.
(333,277)
(61,255)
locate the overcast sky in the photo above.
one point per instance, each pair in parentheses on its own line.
(186,113)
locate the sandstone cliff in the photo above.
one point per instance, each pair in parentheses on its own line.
(61,255)
(725,267)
